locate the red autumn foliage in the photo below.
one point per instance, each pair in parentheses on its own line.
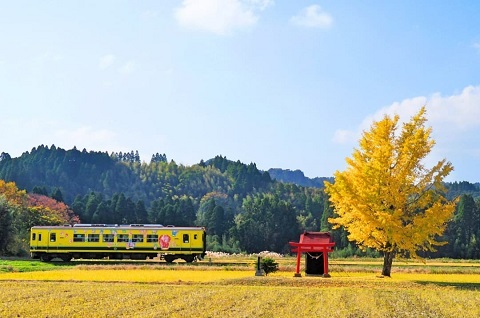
(59,208)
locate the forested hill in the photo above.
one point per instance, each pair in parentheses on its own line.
(77,172)
(243,208)
(297,177)
(454,189)
(72,171)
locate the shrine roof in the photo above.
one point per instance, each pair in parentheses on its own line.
(315,237)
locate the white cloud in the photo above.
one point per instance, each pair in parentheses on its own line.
(34,131)
(456,112)
(259,4)
(405,109)
(220,16)
(106,61)
(448,115)
(109,60)
(313,17)
(149,14)
(462,111)
(343,136)
(476,46)
(128,67)
(455,123)
(85,137)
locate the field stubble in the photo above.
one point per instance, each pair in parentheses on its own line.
(233,291)
(93,299)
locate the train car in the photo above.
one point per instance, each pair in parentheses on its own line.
(101,241)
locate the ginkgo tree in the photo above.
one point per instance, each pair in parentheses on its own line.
(386,198)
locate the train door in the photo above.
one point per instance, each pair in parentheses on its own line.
(34,239)
(52,240)
(39,240)
(187,241)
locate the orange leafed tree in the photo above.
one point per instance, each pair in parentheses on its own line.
(12,194)
(386,198)
(19,211)
(48,210)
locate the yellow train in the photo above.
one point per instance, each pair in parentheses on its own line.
(135,241)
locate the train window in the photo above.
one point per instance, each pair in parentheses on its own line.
(152,238)
(34,236)
(195,236)
(53,237)
(137,238)
(186,238)
(108,237)
(93,238)
(122,238)
(79,237)
(40,237)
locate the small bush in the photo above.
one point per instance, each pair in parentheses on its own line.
(269,265)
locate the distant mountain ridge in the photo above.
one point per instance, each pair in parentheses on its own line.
(298,177)
(80,172)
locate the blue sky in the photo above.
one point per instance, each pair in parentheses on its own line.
(284,84)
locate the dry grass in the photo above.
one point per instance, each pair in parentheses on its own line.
(131,275)
(248,297)
(145,290)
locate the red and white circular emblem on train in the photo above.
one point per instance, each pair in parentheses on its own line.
(164,242)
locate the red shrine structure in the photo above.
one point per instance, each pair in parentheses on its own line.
(316,246)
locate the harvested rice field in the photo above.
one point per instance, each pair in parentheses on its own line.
(219,291)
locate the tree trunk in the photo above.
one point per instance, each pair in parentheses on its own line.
(387,263)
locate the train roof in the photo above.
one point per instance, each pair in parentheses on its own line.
(118,226)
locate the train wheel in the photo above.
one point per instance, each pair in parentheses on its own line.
(189,258)
(45,258)
(169,258)
(66,258)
